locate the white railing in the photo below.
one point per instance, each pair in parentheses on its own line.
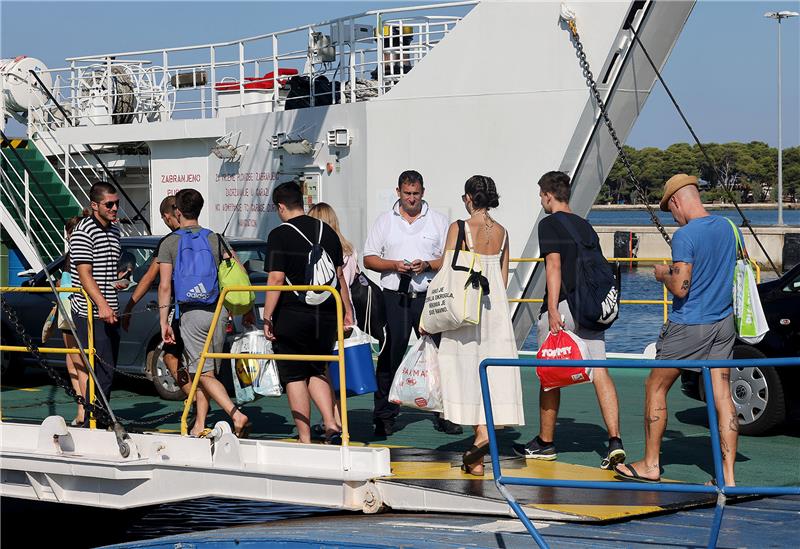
(79,172)
(350,59)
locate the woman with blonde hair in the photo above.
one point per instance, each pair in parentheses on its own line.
(325,213)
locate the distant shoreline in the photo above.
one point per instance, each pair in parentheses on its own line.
(761,206)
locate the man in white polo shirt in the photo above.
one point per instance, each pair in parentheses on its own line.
(405,245)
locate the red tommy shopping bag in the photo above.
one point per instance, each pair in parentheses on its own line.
(564,345)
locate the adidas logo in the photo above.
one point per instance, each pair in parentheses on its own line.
(198,292)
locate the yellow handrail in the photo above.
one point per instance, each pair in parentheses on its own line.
(665,302)
(339,357)
(90,352)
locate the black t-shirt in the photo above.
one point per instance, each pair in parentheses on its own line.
(287,252)
(554,238)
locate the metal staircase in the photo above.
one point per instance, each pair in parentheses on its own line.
(34,201)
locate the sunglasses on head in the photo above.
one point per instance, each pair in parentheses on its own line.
(110,204)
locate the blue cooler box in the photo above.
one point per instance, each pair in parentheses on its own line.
(359,368)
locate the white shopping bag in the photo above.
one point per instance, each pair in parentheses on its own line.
(254,376)
(751,322)
(417,383)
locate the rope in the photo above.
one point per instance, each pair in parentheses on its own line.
(711,163)
(569,18)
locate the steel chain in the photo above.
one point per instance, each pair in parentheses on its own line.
(587,74)
(97,409)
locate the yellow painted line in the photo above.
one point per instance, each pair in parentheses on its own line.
(598,512)
(28,389)
(438,470)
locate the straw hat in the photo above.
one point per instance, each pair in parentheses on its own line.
(673,184)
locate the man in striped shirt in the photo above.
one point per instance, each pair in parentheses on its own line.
(94,249)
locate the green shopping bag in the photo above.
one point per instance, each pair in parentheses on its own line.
(231,273)
(748,314)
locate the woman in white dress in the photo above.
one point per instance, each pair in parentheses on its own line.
(462,350)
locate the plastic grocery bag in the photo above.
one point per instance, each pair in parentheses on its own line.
(564,345)
(417,383)
(751,323)
(253,377)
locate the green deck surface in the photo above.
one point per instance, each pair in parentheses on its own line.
(580,438)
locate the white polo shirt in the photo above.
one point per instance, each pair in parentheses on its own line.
(393,238)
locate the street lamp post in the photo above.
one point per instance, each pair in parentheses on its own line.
(780,16)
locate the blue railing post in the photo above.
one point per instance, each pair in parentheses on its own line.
(720,489)
(497,474)
(716,453)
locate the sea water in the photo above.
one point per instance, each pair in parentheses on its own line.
(757,218)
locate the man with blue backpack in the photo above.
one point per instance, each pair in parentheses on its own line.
(581,295)
(189,261)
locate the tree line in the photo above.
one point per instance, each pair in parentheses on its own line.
(750,170)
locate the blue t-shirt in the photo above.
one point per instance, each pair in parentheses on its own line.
(709,244)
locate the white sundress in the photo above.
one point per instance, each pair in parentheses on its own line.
(461,352)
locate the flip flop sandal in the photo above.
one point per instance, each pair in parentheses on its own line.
(634,476)
(204,433)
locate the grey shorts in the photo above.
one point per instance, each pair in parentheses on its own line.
(697,341)
(195,324)
(595,341)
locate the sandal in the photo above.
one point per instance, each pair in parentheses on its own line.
(334,439)
(634,475)
(244,431)
(473,458)
(204,433)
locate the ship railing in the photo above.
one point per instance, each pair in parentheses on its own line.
(89,350)
(38,226)
(718,488)
(338,357)
(664,302)
(78,172)
(360,57)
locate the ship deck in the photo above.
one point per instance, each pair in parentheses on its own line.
(425,463)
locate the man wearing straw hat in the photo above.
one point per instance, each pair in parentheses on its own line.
(700,326)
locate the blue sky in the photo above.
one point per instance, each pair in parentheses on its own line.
(723,69)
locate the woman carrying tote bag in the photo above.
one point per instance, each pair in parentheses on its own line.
(462,349)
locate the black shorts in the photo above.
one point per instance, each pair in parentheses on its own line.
(175,349)
(301,332)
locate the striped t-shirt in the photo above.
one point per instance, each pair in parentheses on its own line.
(92,244)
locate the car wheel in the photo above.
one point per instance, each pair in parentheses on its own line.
(164,383)
(757,393)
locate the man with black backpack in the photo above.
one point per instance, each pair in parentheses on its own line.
(304,251)
(582,296)
(188,263)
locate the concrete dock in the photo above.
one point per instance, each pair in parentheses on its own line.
(781,243)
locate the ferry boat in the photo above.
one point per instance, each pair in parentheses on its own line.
(342,107)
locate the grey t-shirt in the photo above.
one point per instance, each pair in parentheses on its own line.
(168,249)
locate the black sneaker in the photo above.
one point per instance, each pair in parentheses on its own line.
(536,449)
(616,454)
(446,426)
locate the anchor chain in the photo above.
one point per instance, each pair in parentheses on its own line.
(587,74)
(97,409)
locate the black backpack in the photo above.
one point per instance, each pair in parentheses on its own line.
(594,303)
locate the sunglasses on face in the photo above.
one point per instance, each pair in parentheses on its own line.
(110,204)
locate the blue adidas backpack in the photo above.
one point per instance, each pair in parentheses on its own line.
(194,275)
